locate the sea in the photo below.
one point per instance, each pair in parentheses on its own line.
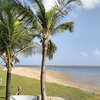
(85,74)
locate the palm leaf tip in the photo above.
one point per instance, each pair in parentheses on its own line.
(70,26)
(67,26)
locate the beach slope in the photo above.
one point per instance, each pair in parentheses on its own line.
(58,77)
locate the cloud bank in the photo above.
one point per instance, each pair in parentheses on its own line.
(90,4)
(96,53)
(87,4)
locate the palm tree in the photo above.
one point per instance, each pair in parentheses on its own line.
(46,23)
(14,39)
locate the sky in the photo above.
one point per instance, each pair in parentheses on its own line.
(82,47)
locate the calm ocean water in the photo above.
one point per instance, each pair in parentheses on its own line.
(85,74)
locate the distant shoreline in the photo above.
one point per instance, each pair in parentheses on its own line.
(57,65)
(64,65)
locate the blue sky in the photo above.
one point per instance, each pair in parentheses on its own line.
(80,47)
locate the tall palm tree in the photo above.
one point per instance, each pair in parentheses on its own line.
(46,23)
(14,39)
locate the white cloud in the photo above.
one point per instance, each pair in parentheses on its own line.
(84,54)
(90,4)
(87,4)
(49,4)
(97,52)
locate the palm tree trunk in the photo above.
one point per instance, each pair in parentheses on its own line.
(8,80)
(43,72)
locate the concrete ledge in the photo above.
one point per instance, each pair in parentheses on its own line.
(29,97)
(24,97)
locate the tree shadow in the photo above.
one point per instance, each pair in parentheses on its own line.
(2,86)
(2,98)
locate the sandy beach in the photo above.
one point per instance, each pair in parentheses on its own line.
(57,77)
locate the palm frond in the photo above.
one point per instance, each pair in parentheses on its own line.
(30,49)
(51,49)
(25,14)
(67,5)
(41,13)
(63,27)
(17,60)
(53,17)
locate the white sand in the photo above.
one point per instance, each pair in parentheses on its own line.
(55,77)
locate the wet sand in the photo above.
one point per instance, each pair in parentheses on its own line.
(58,77)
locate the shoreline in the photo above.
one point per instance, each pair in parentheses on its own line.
(53,76)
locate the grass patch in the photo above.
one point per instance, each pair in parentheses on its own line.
(32,87)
